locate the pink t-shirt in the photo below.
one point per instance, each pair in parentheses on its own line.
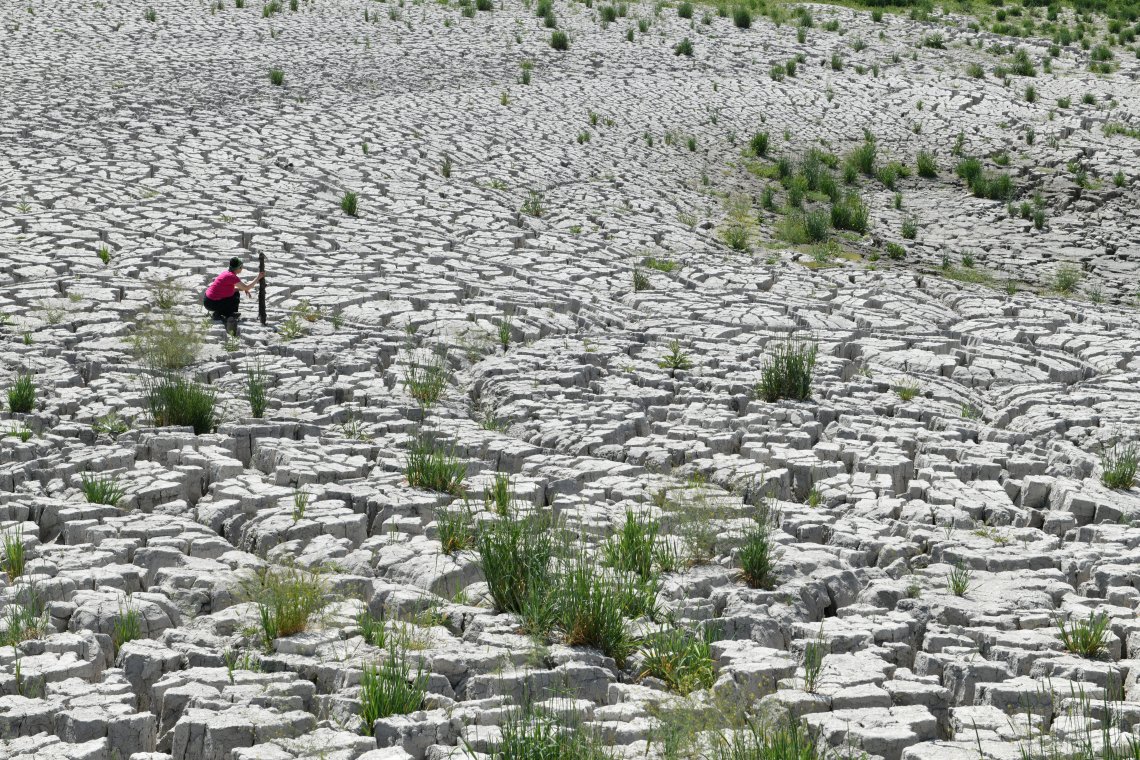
(222,286)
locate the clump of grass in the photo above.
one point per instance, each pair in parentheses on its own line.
(1118,466)
(533,205)
(895,252)
(533,735)
(425,382)
(390,688)
(104,254)
(26,620)
(300,504)
(127,626)
(15,554)
(276,77)
(684,47)
(757,561)
(559,40)
(373,629)
(640,281)
(909,229)
(499,496)
(515,558)
(434,469)
(907,389)
(675,358)
(784,741)
(255,390)
(287,599)
(104,490)
(927,166)
(22,394)
(505,325)
(455,530)
(680,658)
(348,203)
(110,424)
(787,371)
(814,652)
(1066,279)
(173,400)
(631,550)
(742,17)
(661,265)
(958,580)
(850,213)
(1085,637)
(863,158)
(759,144)
(168,343)
(685,10)
(590,609)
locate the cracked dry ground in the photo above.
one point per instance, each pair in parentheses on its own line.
(552,256)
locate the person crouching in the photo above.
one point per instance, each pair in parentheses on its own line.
(222,298)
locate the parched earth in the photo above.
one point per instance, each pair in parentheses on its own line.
(547,234)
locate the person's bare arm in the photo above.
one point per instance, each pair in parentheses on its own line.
(245,287)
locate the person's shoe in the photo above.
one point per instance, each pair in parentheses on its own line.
(231,325)
(217,317)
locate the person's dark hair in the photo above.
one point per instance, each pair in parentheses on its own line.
(235,264)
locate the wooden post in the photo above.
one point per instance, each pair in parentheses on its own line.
(261,288)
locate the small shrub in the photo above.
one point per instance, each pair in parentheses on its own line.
(1119,465)
(684,47)
(975,71)
(787,371)
(685,10)
(559,40)
(1064,102)
(895,252)
(434,469)
(176,401)
(276,77)
(1085,637)
(101,490)
(390,688)
(742,17)
(22,395)
(680,658)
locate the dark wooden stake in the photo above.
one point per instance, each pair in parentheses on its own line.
(261,288)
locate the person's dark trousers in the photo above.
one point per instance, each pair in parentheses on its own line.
(223,307)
